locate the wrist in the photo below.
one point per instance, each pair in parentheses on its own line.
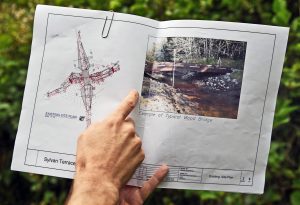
(93,189)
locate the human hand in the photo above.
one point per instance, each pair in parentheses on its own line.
(131,195)
(108,153)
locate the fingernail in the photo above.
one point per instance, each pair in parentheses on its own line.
(134,92)
(164,167)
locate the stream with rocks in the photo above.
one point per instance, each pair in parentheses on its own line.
(216,96)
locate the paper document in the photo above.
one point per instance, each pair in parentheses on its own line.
(207,94)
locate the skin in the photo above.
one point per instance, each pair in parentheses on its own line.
(108,153)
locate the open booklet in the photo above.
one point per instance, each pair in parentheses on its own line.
(207,94)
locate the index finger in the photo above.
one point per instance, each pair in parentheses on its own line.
(127,105)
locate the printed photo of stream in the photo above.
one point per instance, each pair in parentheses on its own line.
(193,76)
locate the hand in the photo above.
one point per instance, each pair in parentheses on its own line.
(108,153)
(131,195)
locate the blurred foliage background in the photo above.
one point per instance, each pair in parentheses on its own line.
(283,171)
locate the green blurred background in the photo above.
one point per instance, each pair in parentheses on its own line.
(283,171)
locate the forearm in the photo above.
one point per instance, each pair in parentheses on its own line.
(93,190)
(103,197)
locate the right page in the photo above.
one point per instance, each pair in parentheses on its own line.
(207,103)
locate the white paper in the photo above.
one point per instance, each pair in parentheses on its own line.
(217,139)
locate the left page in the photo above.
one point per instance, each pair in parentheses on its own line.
(75,77)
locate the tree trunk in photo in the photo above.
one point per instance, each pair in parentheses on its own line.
(174,66)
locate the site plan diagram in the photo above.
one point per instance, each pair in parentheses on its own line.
(207,94)
(85,79)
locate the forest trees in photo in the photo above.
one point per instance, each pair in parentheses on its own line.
(196,50)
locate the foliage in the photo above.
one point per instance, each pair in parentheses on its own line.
(283,172)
